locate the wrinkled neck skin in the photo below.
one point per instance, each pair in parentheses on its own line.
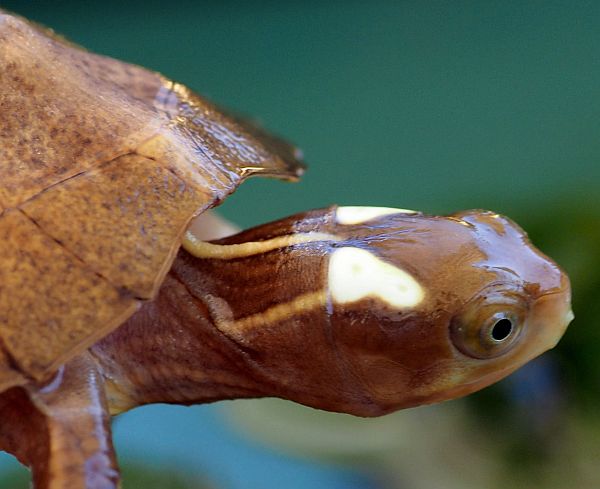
(356,310)
(255,325)
(170,351)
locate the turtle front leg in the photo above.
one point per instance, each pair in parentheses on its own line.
(62,430)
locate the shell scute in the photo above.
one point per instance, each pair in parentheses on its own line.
(57,120)
(122,219)
(102,166)
(48,298)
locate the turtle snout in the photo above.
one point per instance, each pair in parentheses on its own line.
(552,314)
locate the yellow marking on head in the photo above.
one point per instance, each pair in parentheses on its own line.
(358,215)
(202,249)
(302,303)
(355,274)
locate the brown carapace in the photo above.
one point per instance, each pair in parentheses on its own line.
(358,310)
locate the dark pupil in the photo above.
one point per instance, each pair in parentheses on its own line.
(502,329)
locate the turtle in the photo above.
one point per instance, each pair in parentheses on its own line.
(108,301)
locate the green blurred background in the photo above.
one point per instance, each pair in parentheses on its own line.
(435,106)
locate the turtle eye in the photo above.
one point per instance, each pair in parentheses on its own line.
(501,330)
(488,327)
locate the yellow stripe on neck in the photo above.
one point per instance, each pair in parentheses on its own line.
(301,304)
(202,249)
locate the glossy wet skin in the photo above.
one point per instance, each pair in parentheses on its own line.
(261,314)
(477,269)
(370,355)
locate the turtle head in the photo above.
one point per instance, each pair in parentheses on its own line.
(368,310)
(425,309)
